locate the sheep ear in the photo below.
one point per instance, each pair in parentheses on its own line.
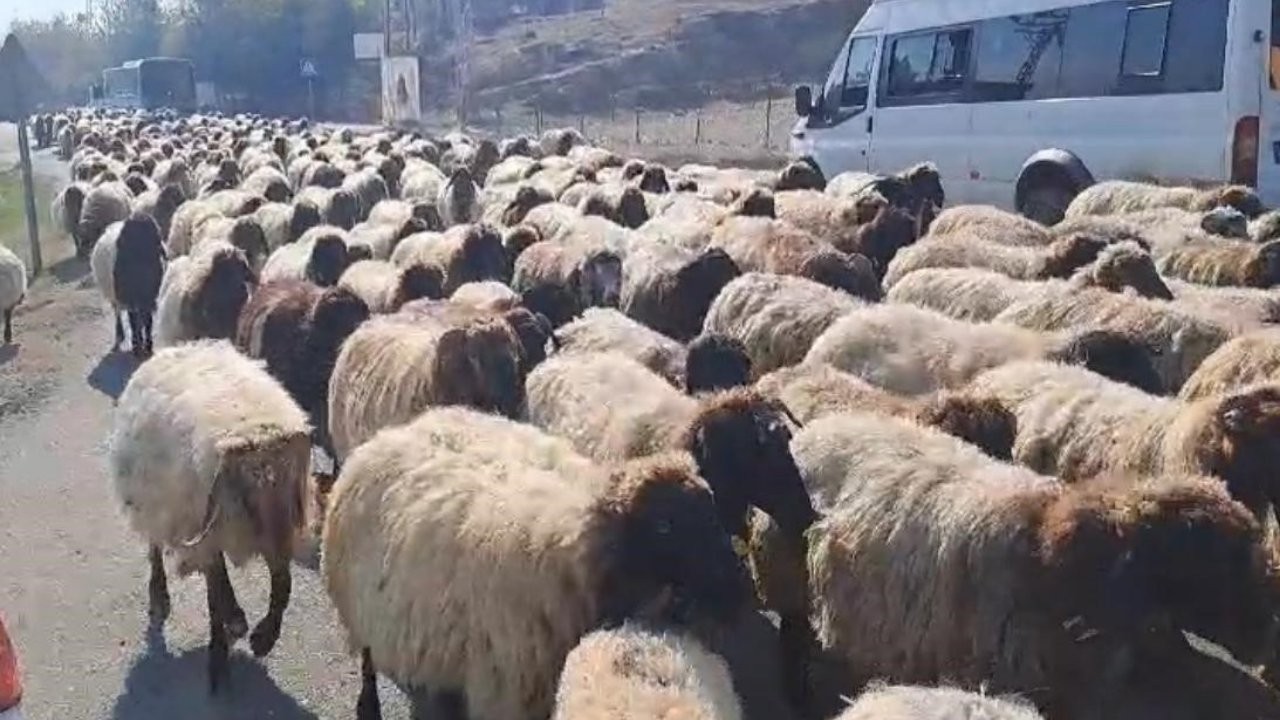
(1234,420)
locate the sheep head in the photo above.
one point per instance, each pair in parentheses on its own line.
(517,239)
(632,211)
(1125,265)
(214,308)
(430,215)
(527,198)
(597,281)
(1240,197)
(343,209)
(663,552)
(482,257)
(305,216)
(1124,557)
(653,179)
(741,442)
(552,301)
(247,235)
(536,335)
(1069,254)
(714,363)
(329,258)
(756,202)
(336,314)
(853,274)
(800,175)
(924,182)
(1263,269)
(880,239)
(981,422)
(478,365)
(417,282)
(1240,443)
(1113,355)
(1266,227)
(697,284)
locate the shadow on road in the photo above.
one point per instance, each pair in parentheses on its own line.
(7,353)
(70,270)
(163,685)
(112,373)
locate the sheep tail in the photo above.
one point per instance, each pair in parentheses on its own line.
(211,515)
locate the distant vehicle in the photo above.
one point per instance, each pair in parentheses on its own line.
(148,84)
(10,684)
(1023,103)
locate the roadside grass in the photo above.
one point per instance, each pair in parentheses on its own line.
(54,244)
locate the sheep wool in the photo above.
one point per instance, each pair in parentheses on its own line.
(201,295)
(1122,196)
(634,673)
(1240,362)
(202,424)
(1224,262)
(607,330)
(385,287)
(991,224)
(1059,259)
(901,702)
(517,541)
(13,288)
(775,317)
(670,288)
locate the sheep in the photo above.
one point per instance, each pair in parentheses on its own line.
(209,456)
(590,272)
(65,211)
(991,224)
(1223,262)
(1078,425)
(901,702)
(670,288)
(459,199)
(13,288)
(283,224)
(916,189)
(1240,309)
(463,253)
(174,171)
(382,240)
(1244,360)
(560,141)
(202,294)
(607,330)
(337,207)
(1179,339)
(889,230)
(321,255)
(385,287)
(623,205)
(105,204)
(638,673)
(507,206)
(935,561)
(762,245)
(270,183)
(161,204)
(914,351)
(816,390)
(1120,196)
(184,226)
(1060,259)
(297,329)
(396,366)
(368,188)
(243,232)
(1265,227)
(128,267)
(234,203)
(578,547)
(533,330)
(775,317)
(714,363)
(486,295)
(979,295)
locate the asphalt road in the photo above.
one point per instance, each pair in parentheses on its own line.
(73,577)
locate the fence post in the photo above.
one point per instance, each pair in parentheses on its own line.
(697,128)
(768,119)
(582,125)
(537,120)
(637,126)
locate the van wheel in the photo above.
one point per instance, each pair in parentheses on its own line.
(1046,201)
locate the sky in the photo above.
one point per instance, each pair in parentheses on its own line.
(42,9)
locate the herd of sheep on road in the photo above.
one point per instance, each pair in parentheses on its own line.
(588,416)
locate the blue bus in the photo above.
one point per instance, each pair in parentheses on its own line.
(148,84)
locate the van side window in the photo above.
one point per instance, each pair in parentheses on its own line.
(1146,30)
(929,63)
(1091,53)
(857,76)
(1197,46)
(1019,57)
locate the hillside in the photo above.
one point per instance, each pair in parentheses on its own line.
(658,54)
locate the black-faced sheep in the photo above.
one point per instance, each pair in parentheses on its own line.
(396,366)
(607,330)
(917,189)
(714,363)
(128,267)
(935,561)
(385,287)
(209,457)
(297,329)
(620,204)
(1240,362)
(1223,262)
(775,317)
(459,199)
(283,224)
(321,255)
(463,253)
(914,351)
(66,209)
(638,673)
(1121,196)
(578,547)
(368,188)
(1180,340)
(339,207)
(244,233)
(161,205)
(772,246)
(1075,424)
(1060,259)
(105,204)
(560,141)
(590,272)
(670,288)
(202,294)
(13,288)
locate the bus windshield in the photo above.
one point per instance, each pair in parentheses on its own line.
(167,83)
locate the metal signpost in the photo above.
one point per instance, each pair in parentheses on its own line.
(20,87)
(310,74)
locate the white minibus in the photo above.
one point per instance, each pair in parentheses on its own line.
(1023,103)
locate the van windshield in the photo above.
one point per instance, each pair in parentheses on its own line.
(1275,45)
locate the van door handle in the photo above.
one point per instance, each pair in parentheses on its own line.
(870,124)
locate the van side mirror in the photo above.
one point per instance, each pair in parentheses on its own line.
(804,100)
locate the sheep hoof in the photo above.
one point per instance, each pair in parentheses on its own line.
(264,638)
(159,610)
(369,707)
(237,626)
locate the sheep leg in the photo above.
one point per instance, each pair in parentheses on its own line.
(148,320)
(158,588)
(219,643)
(796,637)
(267,632)
(369,707)
(119,331)
(232,614)
(8,326)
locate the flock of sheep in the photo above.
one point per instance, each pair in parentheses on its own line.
(589,416)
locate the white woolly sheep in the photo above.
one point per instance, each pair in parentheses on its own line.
(936,561)
(1121,196)
(1242,361)
(903,702)
(576,547)
(1223,262)
(283,224)
(463,253)
(1077,425)
(210,456)
(105,204)
(1179,340)
(635,673)
(65,211)
(385,287)
(991,224)
(202,294)
(368,188)
(607,330)
(337,206)
(775,317)
(486,295)
(13,288)
(763,245)
(320,256)
(1060,259)
(914,351)
(1240,309)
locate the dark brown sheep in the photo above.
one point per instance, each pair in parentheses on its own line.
(800,175)
(889,230)
(136,277)
(464,253)
(592,275)
(714,363)
(298,329)
(670,288)
(527,197)
(981,422)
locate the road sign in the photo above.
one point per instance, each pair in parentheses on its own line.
(309,69)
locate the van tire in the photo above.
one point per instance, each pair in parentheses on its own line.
(1047,199)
